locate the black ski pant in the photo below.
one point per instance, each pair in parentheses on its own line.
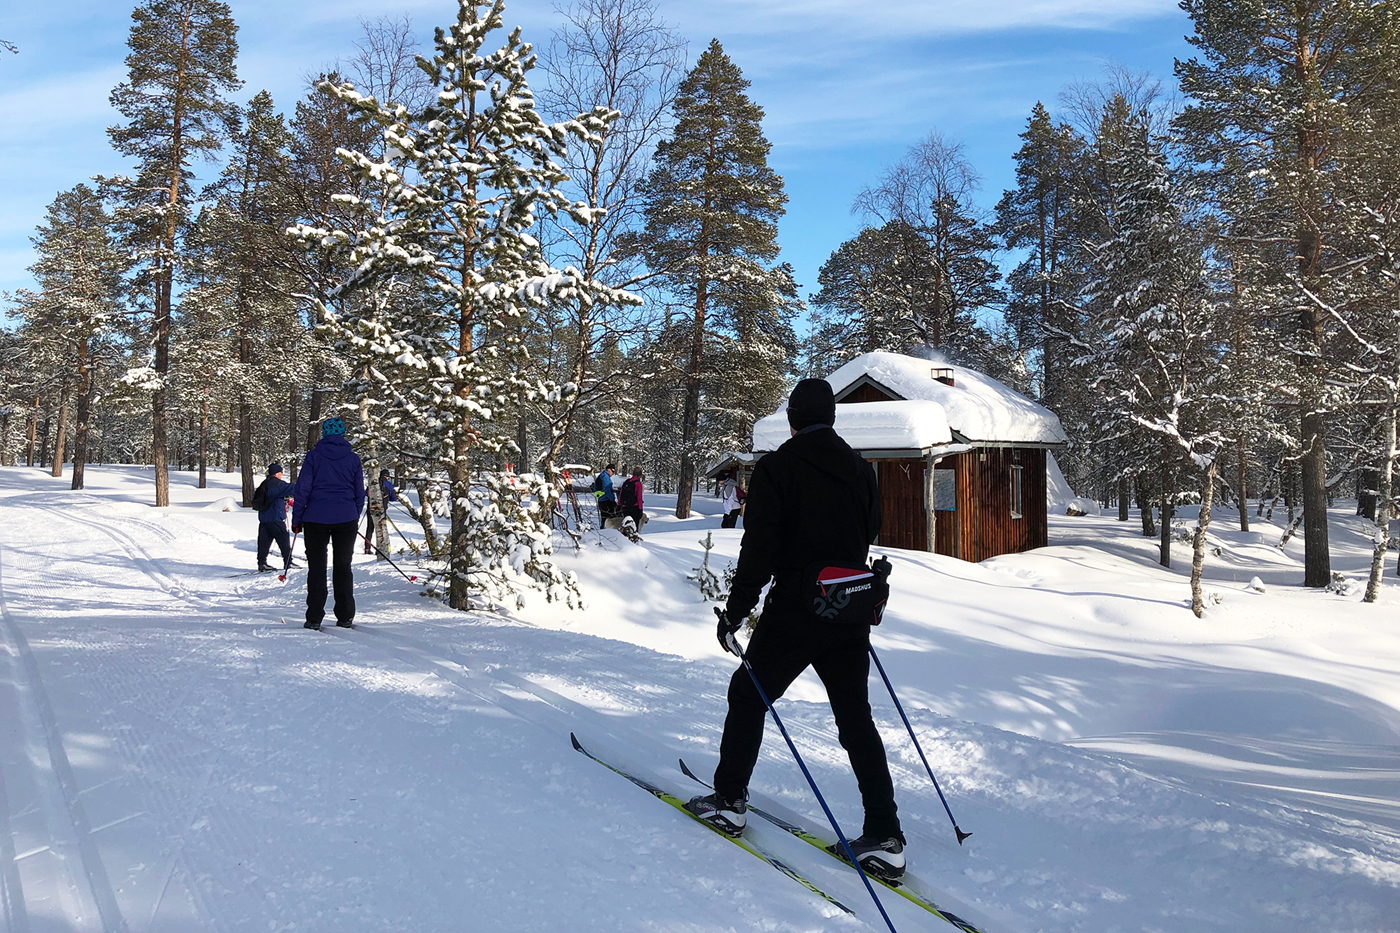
(731,519)
(783,646)
(341,537)
(269,532)
(634,513)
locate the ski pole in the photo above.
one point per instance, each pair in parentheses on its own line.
(410,579)
(881,668)
(396,528)
(282,577)
(733,644)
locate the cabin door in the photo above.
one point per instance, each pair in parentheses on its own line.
(904,519)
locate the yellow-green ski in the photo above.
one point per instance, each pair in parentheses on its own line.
(813,839)
(742,843)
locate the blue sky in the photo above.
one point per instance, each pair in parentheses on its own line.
(847,85)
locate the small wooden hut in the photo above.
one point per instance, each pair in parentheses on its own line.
(961,458)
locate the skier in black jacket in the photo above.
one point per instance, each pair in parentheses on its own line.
(813,500)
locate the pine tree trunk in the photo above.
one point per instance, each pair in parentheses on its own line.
(1198,544)
(245,450)
(1123,496)
(33,434)
(314,416)
(232,436)
(1382,535)
(1144,504)
(293,397)
(1242,474)
(1164,556)
(1317,562)
(86,384)
(44,437)
(204,443)
(690,416)
(61,436)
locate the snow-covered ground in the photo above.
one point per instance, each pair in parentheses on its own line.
(176,757)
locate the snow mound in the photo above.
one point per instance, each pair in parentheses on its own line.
(226,504)
(1079,507)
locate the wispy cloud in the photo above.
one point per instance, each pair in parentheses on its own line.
(846,84)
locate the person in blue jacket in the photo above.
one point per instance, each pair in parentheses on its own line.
(330,494)
(272,521)
(605,494)
(387,495)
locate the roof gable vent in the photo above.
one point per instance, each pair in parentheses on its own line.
(943,374)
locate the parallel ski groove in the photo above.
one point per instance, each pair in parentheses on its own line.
(816,841)
(679,804)
(62,792)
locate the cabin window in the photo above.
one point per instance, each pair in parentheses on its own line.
(945,491)
(1016,491)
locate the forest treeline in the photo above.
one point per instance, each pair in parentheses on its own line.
(498,260)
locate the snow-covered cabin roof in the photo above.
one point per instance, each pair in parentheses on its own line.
(728,462)
(910,425)
(927,413)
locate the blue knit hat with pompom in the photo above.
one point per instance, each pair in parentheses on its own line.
(332,426)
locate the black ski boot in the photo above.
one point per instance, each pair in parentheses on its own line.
(264,568)
(882,858)
(727,816)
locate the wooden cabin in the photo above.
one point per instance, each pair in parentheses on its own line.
(961,458)
(723,466)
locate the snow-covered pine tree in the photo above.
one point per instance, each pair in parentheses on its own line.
(442,279)
(79,271)
(181,65)
(712,206)
(1271,93)
(1036,216)
(1157,359)
(242,236)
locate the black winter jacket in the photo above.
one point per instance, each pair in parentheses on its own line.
(813,499)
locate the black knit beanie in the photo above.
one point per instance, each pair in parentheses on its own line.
(811,402)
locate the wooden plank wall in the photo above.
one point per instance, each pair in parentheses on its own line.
(904,521)
(982,526)
(988,528)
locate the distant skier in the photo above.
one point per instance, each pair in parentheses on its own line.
(330,493)
(630,498)
(272,493)
(605,494)
(732,497)
(812,503)
(386,495)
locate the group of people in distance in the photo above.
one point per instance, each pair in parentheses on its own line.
(326,501)
(624,501)
(814,501)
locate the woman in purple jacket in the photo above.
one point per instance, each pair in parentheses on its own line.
(329,498)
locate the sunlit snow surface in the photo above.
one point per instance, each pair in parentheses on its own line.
(175,757)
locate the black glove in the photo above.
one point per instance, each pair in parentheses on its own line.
(725,628)
(296,529)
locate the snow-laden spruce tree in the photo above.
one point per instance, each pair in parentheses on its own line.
(446,275)
(71,319)
(1156,362)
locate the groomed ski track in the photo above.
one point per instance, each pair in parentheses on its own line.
(246,612)
(227,771)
